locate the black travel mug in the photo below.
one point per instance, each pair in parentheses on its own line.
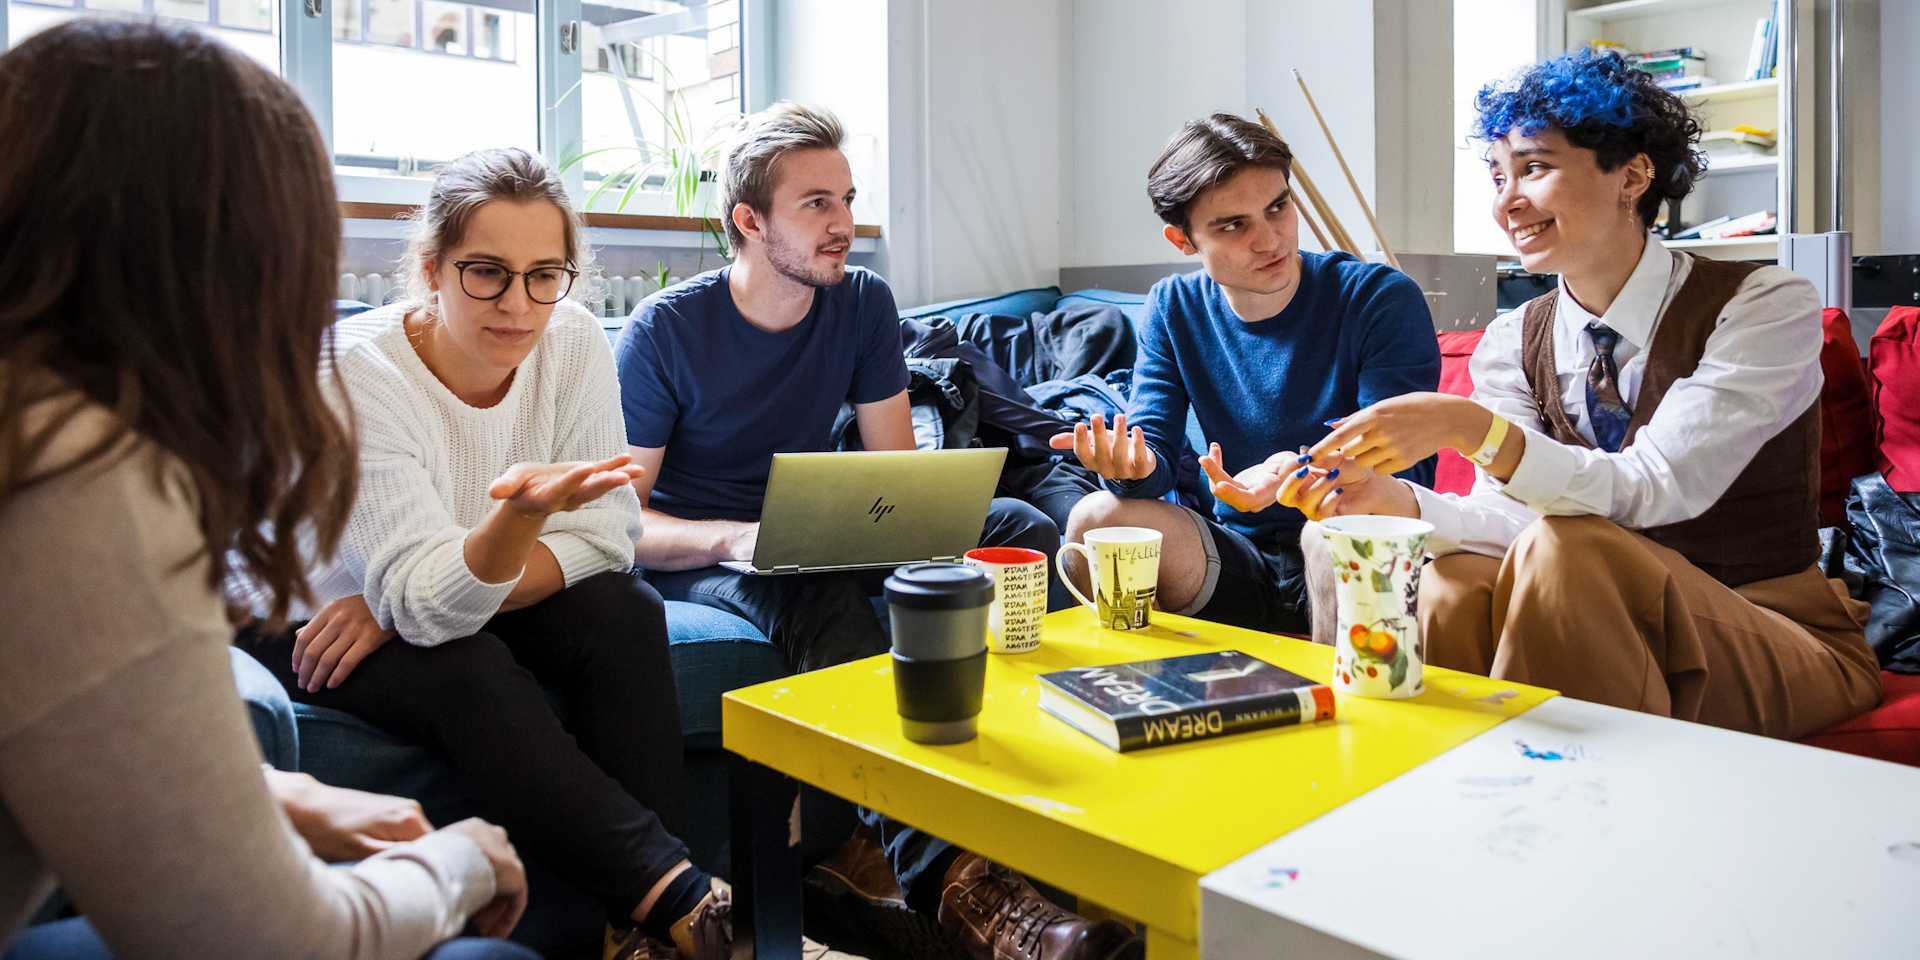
(939,615)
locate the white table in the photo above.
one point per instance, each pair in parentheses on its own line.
(1577,830)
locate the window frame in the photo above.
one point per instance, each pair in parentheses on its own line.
(306,62)
(146,10)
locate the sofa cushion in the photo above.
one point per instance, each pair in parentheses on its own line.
(1846,417)
(1893,359)
(1133,305)
(1455,472)
(1019,303)
(1890,731)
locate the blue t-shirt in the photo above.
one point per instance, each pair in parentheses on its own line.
(1354,333)
(723,396)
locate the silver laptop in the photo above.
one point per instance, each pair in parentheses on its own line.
(859,510)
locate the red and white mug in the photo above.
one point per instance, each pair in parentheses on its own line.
(1019,596)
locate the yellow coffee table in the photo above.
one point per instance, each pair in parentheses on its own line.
(1132,832)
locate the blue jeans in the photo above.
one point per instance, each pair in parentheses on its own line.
(75,940)
(820,620)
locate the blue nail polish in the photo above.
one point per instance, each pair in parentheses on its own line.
(1302,473)
(1339,490)
(1333,473)
(1305,458)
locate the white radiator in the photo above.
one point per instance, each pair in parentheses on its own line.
(622,293)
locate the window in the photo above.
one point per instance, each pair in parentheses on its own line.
(246,24)
(443,27)
(403,85)
(659,84)
(468,91)
(1492,38)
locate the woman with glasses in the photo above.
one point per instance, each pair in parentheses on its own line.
(487,556)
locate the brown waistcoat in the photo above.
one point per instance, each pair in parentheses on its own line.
(1765,524)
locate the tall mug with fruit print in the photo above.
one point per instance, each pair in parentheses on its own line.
(1377,648)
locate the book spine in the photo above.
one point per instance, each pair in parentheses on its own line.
(1200,723)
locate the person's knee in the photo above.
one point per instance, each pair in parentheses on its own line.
(477,661)
(1570,549)
(1454,582)
(1098,509)
(1317,572)
(1016,523)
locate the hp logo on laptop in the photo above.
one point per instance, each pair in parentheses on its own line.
(879,509)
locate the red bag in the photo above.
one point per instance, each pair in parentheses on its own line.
(1893,362)
(1846,417)
(1455,472)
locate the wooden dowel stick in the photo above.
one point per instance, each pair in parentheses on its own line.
(1319,203)
(1308,217)
(1365,208)
(1334,226)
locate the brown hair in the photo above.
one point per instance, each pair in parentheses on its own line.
(464,186)
(1206,152)
(169,243)
(764,138)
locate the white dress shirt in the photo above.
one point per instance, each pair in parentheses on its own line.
(1760,371)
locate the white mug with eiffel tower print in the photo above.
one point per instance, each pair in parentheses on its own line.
(1125,565)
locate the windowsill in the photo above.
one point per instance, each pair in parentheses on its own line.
(354,210)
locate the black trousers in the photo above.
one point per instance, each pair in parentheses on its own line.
(824,619)
(595,793)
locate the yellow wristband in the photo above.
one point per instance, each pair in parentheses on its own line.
(1490,447)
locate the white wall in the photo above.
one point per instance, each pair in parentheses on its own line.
(823,56)
(1899,131)
(975,146)
(1143,67)
(1331,44)
(1139,69)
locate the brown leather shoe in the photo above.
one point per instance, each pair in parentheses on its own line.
(997,915)
(632,943)
(860,867)
(707,932)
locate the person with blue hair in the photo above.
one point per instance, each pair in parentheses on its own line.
(1642,527)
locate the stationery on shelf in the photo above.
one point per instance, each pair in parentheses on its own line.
(1739,141)
(1727,228)
(1151,703)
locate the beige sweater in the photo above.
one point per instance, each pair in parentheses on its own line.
(129,774)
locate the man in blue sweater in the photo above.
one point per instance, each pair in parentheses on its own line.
(1265,345)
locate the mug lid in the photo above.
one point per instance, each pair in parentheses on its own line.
(939,586)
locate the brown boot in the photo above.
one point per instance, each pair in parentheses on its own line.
(997,915)
(861,868)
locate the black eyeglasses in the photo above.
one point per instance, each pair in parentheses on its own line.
(486,280)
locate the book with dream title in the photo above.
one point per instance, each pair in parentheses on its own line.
(1151,703)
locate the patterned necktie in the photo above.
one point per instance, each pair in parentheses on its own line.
(1605,408)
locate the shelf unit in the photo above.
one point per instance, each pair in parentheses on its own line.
(1721,31)
(1741,164)
(1733,248)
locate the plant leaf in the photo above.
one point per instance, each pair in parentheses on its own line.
(1364,549)
(1397,674)
(1382,583)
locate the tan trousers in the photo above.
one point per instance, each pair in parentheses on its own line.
(1598,612)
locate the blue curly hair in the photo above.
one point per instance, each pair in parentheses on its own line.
(1601,103)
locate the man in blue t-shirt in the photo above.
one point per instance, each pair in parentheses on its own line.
(731,367)
(1264,345)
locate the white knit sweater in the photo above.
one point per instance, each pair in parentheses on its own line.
(427,458)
